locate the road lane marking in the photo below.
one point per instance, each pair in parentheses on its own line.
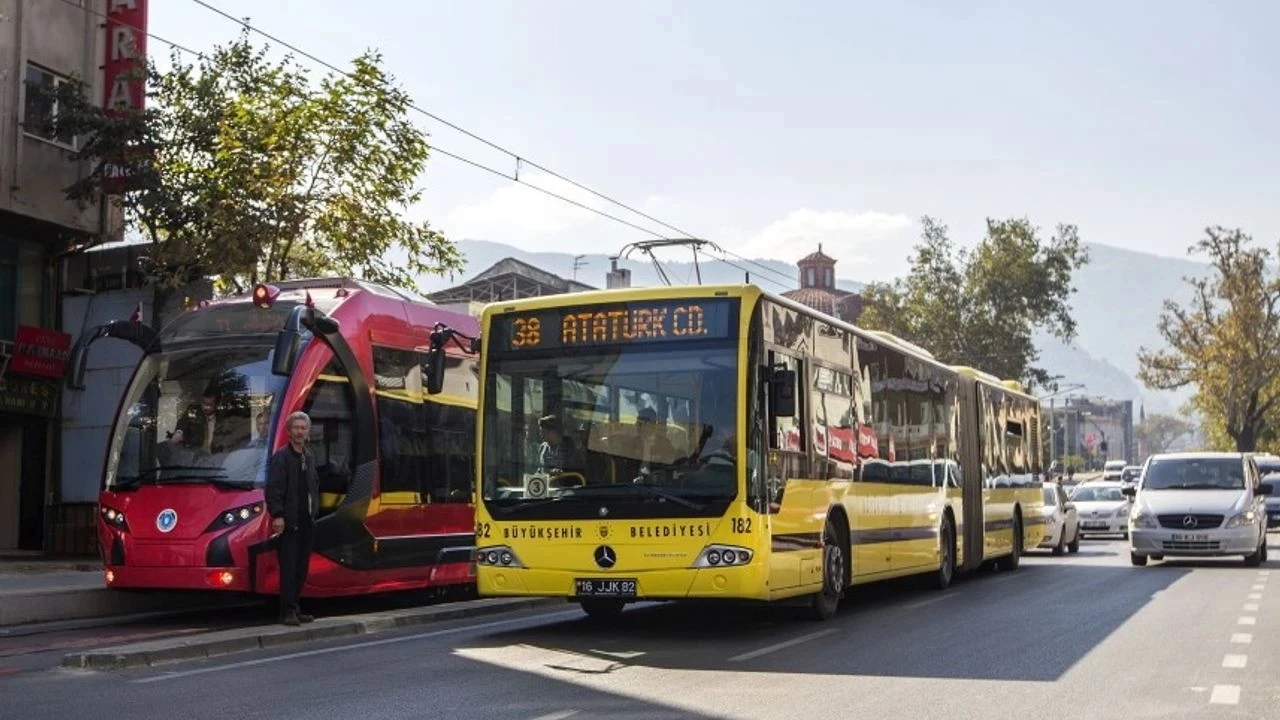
(356,646)
(1258,587)
(1241,638)
(1255,596)
(1225,695)
(930,601)
(1235,661)
(781,646)
(1264,572)
(1251,607)
(1247,620)
(557,715)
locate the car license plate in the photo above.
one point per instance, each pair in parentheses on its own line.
(605,587)
(1095,526)
(1190,537)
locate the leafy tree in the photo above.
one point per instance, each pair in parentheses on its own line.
(245,170)
(1226,341)
(1159,433)
(980,307)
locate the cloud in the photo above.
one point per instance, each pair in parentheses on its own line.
(521,216)
(867,245)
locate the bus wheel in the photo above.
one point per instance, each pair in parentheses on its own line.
(602,608)
(1011,561)
(824,603)
(947,555)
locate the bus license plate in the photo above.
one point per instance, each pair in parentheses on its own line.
(604,587)
(1190,537)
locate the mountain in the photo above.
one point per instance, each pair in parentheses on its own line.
(1118,299)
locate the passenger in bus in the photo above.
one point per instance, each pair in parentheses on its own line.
(293,502)
(557,453)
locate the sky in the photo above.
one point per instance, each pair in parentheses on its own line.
(771,127)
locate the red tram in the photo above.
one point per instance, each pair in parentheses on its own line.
(182,499)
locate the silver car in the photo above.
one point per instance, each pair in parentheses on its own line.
(1199,504)
(1103,508)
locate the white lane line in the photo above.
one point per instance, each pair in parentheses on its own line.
(1247,620)
(781,646)
(355,646)
(930,601)
(1225,695)
(1255,596)
(1241,638)
(1264,572)
(1251,607)
(1258,588)
(557,715)
(1235,661)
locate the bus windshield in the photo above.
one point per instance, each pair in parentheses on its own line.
(197,413)
(635,431)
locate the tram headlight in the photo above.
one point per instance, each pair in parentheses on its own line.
(236,516)
(723,556)
(113,518)
(498,556)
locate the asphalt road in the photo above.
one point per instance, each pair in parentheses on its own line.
(1083,636)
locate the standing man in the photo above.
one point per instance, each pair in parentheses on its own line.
(293,499)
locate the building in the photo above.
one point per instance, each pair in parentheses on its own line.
(818,288)
(1093,429)
(507,279)
(42,44)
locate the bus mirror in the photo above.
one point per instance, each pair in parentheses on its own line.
(782,392)
(286,354)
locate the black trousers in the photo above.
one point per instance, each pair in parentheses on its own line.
(295,557)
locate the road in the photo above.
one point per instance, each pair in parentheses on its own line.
(1083,636)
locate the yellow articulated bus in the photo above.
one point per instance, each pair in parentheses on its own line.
(722,442)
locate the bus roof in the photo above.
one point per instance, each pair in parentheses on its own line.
(745,290)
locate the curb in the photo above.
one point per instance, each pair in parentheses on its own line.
(239,640)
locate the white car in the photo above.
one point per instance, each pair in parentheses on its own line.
(1103,508)
(1199,504)
(1061,521)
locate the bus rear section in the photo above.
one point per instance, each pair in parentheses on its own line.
(609,457)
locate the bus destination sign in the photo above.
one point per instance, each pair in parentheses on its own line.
(635,323)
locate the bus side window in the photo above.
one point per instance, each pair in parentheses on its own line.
(450,432)
(331,407)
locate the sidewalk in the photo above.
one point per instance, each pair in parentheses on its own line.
(239,640)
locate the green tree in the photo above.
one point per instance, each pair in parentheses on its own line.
(1158,433)
(980,307)
(244,170)
(1226,341)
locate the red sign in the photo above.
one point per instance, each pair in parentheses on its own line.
(40,351)
(124,81)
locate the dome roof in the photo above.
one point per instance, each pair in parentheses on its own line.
(817,298)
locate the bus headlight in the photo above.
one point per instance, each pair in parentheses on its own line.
(722,555)
(498,556)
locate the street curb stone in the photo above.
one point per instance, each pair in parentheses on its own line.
(239,640)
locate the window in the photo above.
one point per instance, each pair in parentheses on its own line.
(810,275)
(450,431)
(40,111)
(830,280)
(331,406)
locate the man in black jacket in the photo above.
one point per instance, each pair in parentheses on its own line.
(293,501)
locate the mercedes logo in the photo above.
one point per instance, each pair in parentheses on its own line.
(605,557)
(1190,521)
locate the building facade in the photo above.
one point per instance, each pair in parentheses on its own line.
(1093,429)
(42,45)
(818,288)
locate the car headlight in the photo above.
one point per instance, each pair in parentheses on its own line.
(1141,519)
(1245,518)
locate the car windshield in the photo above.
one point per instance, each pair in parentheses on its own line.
(1050,496)
(1194,474)
(649,429)
(1085,493)
(197,413)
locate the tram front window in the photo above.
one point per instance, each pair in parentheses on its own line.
(199,414)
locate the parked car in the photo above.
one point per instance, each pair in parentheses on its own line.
(1061,521)
(1199,504)
(1103,508)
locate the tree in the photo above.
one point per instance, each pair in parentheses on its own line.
(244,170)
(1158,433)
(1226,341)
(980,307)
